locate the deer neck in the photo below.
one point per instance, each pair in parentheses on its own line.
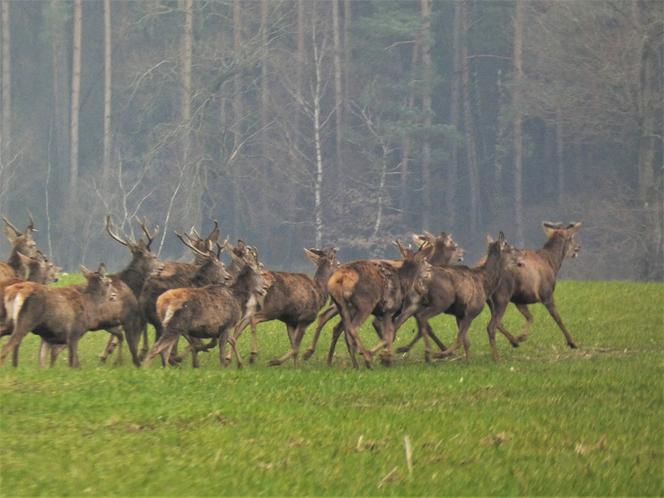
(14,261)
(553,252)
(243,285)
(323,274)
(135,274)
(492,271)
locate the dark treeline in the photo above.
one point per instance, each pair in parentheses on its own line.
(300,123)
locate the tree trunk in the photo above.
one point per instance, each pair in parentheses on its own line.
(75,96)
(407,140)
(452,171)
(517,123)
(338,87)
(107,90)
(318,182)
(469,127)
(560,152)
(238,110)
(265,96)
(5,124)
(425,11)
(348,17)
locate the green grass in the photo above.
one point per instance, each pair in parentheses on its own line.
(544,420)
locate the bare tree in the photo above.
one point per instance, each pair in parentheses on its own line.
(5,133)
(75,99)
(518,119)
(427,41)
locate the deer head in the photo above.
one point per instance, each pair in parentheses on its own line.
(21,241)
(98,283)
(567,233)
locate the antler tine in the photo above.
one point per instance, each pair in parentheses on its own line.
(114,236)
(10,225)
(214,233)
(220,249)
(31,225)
(150,237)
(194,232)
(184,238)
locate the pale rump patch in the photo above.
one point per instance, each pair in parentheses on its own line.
(18,304)
(170,311)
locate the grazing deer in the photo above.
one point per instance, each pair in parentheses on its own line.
(534,280)
(438,250)
(367,287)
(22,243)
(173,275)
(459,291)
(60,315)
(210,311)
(294,299)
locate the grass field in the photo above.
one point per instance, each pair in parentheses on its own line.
(544,420)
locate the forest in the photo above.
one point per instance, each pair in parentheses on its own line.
(309,123)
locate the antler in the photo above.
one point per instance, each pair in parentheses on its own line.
(148,235)
(185,240)
(31,225)
(214,233)
(110,231)
(11,225)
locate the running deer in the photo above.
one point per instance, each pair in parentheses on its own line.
(367,287)
(294,299)
(22,243)
(210,311)
(173,275)
(459,291)
(39,270)
(59,315)
(534,280)
(124,312)
(438,250)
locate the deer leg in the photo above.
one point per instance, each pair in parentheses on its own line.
(108,350)
(21,329)
(133,333)
(253,356)
(352,332)
(223,340)
(324,317)
(523,309)
(457,343)
(43,353)
(551,307)
(56,349)
(388,333)
(146,342)
(118,334)
(233,342)
(409,346)
(162,347)
(292,335)
(497,312)
(72,345)
(15,355)
(336,333)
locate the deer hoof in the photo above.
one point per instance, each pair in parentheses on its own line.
(427,357)
(307,354)
(253,357)
(403,349)
(522,338)
(386,361)
(102,358)
(274,362)
(572,345)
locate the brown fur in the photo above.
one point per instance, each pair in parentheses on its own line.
(60,315)
(459,291)
(22,243)
(437,250)
(534,280)
(206,312)
(294,299)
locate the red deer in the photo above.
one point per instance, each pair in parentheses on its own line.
(128,283)
(294,299)
(438,250)
(21,242)
(210,311)
(459,291)
(534,280)
(172,275)
(60,315)
(367,287)
(38,269)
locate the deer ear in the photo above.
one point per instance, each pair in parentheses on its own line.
(574,227)
(489,239)
(549,228)
(102,269)
(86,273)
(501,237)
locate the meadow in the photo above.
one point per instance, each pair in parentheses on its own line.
(544,420)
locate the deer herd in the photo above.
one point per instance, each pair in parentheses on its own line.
(210,303)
